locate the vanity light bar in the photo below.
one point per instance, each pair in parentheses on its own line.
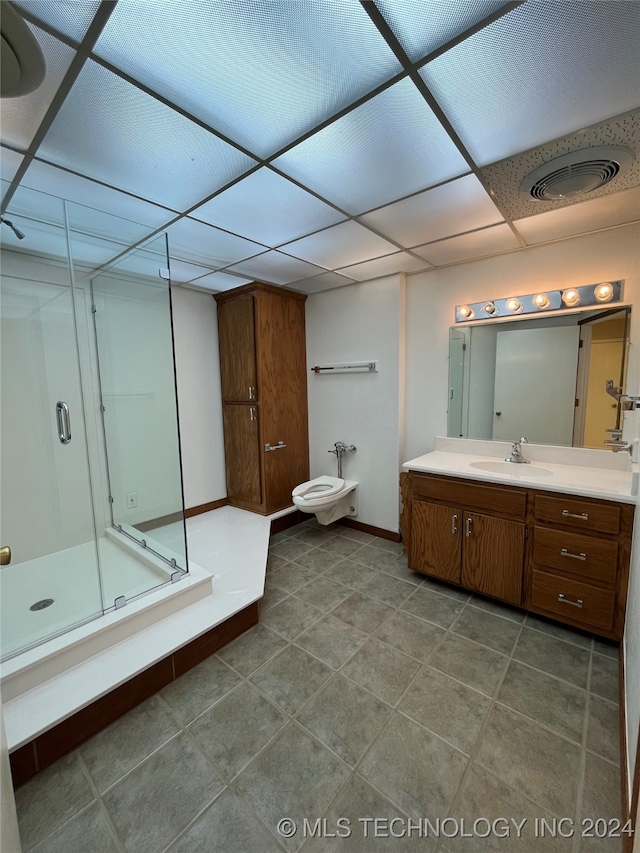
(545,301)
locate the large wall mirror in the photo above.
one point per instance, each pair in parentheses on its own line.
(543,378)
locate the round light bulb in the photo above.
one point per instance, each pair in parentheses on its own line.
(464,312)
(541,300)
(514,305)
(603,292)
(490,309)
(571,297)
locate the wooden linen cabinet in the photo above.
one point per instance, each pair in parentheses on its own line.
(261,333)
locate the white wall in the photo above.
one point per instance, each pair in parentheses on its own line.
(195,329)
(358,323)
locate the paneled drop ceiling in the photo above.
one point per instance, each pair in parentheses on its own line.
(314,143)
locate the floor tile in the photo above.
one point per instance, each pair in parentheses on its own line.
(601,789)
(446,588)
(415,769)
(482,627)
(446,707)
(237,728)
(439,609)
(603,730)
(345,718)
(554,703)
(276,538)
(410,635)
(153,804)
(362,612)
(469,662)
(360,804)
(374,557)
(291,678)
(341,546)
(601,845)
(227,826)
(318,560)
(324,593)
(116,750)
(388,589)
(400,569)
(88,831)
(541,765)
(271,596)
(606,647)
(331,640)
(290,577)
(291,549)
(561,659)
(198,689)
(561,632)
(315,536)
(351,574)
(357,535)
(50,799)
(274,562)
(290,617)
(381,669)
(483,796)
(252,649)
(498,608)
(604,678)
(294,777)
(395,548)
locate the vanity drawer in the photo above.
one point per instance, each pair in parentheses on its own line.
(581,555)
(474,496)
(573,600)
(573,512)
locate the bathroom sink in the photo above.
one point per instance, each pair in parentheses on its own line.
(513,468)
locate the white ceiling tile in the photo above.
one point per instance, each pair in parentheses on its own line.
(541,71)
(181,271)
(114,132)
(396,263)
(478,244)
(275,268)
(579,218)
(260,73)
(460,205)
(219,281)
(421,26)
(10,162)
(194,241)
(88,221)
(327,281)
(21,117)
(59,182)
(389,147)
(268,208)
(340,246)
(36,206)
(70,17)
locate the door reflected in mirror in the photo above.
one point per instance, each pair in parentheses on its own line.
(544,378)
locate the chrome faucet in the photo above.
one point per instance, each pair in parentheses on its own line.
(516,452)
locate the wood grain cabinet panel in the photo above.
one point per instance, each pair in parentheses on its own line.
(492,556)
(576,554)
(263,361)
(585,515)
(242,442)
(579,603)
(436,540)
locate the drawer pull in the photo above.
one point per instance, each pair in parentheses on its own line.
(563,600)
(581,556)
(454,523)
(469,527)
(583,516)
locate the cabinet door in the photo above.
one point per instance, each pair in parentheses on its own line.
(493,556)
(242,453)
(435,540)
(236,333)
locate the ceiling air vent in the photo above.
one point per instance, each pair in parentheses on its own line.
(577,173)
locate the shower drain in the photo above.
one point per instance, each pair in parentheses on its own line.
(40,605)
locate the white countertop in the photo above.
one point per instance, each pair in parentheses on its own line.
(593,473)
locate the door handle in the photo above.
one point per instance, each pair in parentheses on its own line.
(279,446)
(252,392)
(454,523)
(64,422)
(5,555)
(469,529)
(252,413)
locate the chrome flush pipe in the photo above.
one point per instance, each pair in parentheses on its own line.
(340,448)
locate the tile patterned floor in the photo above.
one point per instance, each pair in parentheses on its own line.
(366,691)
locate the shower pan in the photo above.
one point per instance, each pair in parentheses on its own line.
(92,511)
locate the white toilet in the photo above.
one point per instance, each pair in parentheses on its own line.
(329,498)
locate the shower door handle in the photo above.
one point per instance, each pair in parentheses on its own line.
(64,422)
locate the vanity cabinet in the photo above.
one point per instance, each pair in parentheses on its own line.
(562,556)
(261,333)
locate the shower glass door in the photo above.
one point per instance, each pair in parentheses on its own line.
(51,582)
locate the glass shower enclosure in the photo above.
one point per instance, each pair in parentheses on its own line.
(91,499)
